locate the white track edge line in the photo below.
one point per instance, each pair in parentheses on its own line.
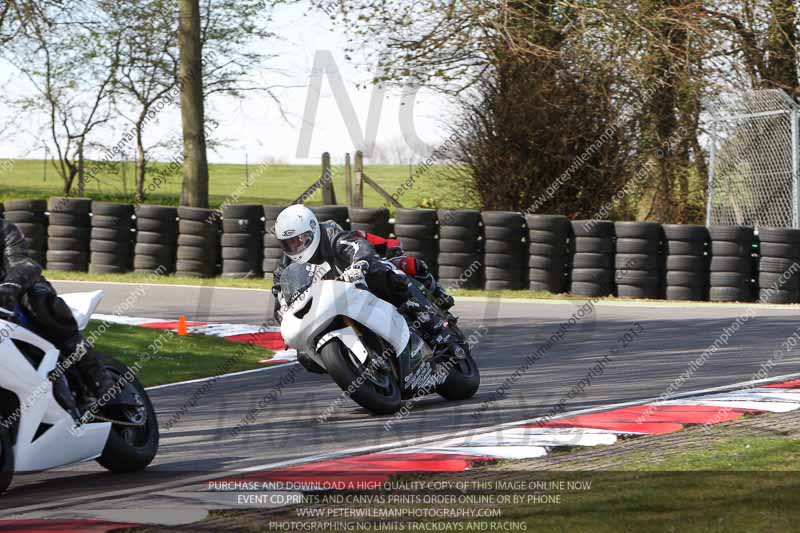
(240,373)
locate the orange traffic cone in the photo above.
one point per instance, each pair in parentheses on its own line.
(182,329)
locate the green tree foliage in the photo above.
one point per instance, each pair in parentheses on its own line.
(538,81)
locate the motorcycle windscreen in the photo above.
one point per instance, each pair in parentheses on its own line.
(298,277)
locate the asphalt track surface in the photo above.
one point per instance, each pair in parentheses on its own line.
(289,428)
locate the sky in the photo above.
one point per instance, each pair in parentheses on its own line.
(254,127)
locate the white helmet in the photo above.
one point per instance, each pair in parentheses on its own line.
(298,231)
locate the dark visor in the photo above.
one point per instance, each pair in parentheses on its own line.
(295,245)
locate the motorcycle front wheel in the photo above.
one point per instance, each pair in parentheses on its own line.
(377,392)
(462,381)
(130,448)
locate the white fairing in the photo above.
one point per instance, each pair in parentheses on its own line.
(83,305)
(330,299)
(60,444)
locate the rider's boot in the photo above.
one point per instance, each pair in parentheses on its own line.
(425,320)
(79,352)
(64,396)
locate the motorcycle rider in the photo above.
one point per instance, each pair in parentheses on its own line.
(305,240)
(21,283)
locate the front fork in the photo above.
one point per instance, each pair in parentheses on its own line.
(384,355)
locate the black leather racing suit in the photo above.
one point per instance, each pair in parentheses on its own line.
(46,310)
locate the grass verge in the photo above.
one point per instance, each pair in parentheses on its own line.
(268,184)
(179,358)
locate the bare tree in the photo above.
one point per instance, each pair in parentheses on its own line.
(151,68)
(73,75)
(147,77)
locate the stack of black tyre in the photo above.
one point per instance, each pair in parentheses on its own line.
(778,283)
(68,234)
(638,262)
(685,247)
(460,248)
(368,220)
(548,252)
(156,239)
(272,248)
(337,213)
(198,242)
(592,262)
(112,238)
(242,241)
(731,264)
(29,216)
(416,229)
(504,255)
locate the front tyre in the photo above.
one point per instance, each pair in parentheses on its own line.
(130,448)
(378,393)
(463,380)
(6,460)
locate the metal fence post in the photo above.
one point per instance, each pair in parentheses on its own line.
(711,161)
(795,171)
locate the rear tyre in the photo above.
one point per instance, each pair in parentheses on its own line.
(6,460)
(463,380)
(379,394)
(130,449)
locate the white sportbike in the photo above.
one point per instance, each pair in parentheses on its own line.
(38,433)
(365,344)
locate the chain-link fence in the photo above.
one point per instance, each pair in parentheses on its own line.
(753,168)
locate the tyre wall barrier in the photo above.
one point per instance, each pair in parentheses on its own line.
(111,238)
(638,263)
(731,265)
(686,262)
(548,252)
(779,250)
(156,239)
(417,230)
(199,233)
(505,252)
(465,248)
(460,256)
(592,258)
(271,246)
(68,234)
(368,220)
(242,241)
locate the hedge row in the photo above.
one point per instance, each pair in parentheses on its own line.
(468,248)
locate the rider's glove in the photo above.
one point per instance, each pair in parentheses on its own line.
(9,295)
(356,272)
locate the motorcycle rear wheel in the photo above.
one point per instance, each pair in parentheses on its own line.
(130,449)
(379,394)
(6,460)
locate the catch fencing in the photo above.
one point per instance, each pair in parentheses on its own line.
(753,165)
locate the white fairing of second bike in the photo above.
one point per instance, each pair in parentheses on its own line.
(82,305)
(330,299)
(61,444)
